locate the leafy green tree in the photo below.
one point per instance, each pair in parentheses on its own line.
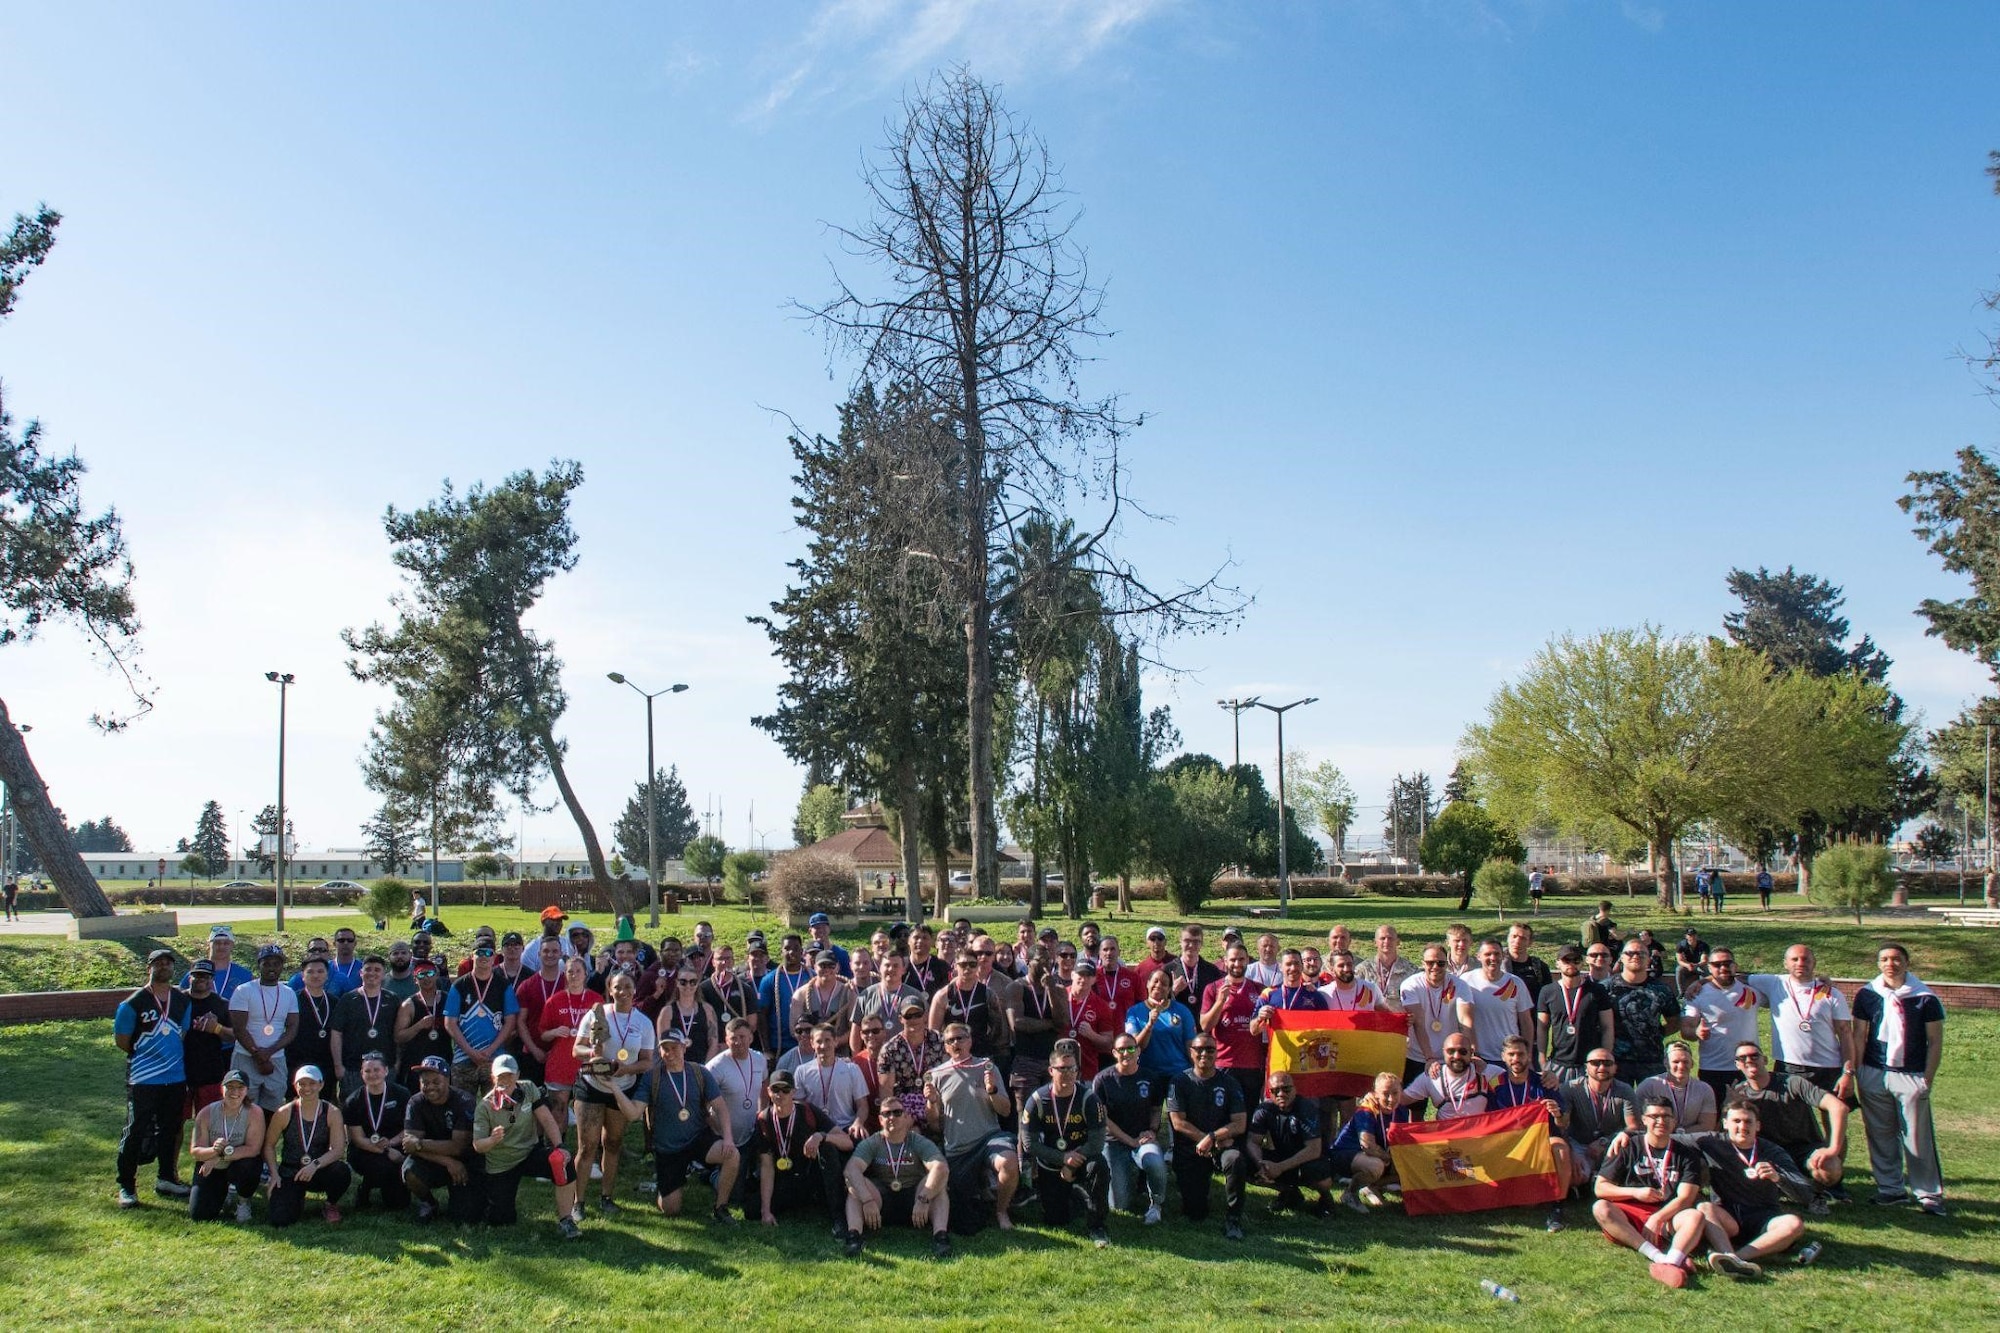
(482,868)
(461,657)
(703,857)
(819,814)
(1634,729)
(1957,515)
(1935,843)
(263,825)
(211,839)
(674,821)
(1323,796)
(1500,884)
(390,839)
(196,866)
(1794,620)
(1850,877)
(59,565)
(1302,854)
(1195,824)
(738,870)
(1409,811)
(387,899)
(1458,786)
(1462,839)
(100,835)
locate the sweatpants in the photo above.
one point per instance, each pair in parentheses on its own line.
(1902,1149)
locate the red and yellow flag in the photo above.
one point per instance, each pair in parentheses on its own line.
(1500,1159)
(1336,1053)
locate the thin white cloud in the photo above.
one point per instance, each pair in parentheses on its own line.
(1646,18)
(859,47)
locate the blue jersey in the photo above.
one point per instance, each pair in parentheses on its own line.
(774,997)
(480,1009)
(338,981)
(1166,1051)
(157,1030)
(227,979)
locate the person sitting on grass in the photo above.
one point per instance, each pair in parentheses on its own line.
(1360,1152)
(898,1178)
(303,1152)
(1753,1179)
(1648,1194)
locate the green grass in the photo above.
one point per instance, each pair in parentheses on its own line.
(1938,952)
(72,1257)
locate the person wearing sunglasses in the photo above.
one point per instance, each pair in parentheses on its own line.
(1062,1132)
(964,1099)
(1573,1015)
(1284,1145)
(1131,1098)
(1205,1107)
(1600,1107)
(1645,1012)
(897,1178)
(1648,1190)
(1789,1110)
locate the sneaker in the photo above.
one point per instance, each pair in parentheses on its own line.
(127,1198)
(1555,1222)
(1819,1207)
(1232,1230)
(606,1205)
(1352,1200)
(1320,1209)
(1935,1207)
(569,1229)
(426,1210)
(1668,1275)
(1839,1194)
(1152,1215)
(1728,1265)
(722,1217)
(331,1214)
(242,1210)
(171,1189)
(1896,1200)
(1369,1196)
(941,1244)
(1809,1255)
(852,1246)
(1100,1237)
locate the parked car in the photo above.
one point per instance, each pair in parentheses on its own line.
(242,884)
(343,886)
(961,879)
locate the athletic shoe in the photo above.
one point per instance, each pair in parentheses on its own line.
(1935,1207)
(242,1210)
(606,1205)
(1153,1215)
(570,1230)
(1555,1222)
(1321,1209)
(1232,1230)
(840,1231)
(1896,1200)
(1819,1207)
(852,1246)
(127,1198)
(722,1217)
(1731,1266)
(171,1189)
(1809,1255)
(1839,1194)
(1353,1200)
(331,1214)
(426,1210)
(1668,1275)
(1369,1196)
(1100,1237)
(941,1244)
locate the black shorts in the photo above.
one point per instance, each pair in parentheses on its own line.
(675,1165)
(898,1208)
(587,1093)
(1751,1219)
(1340,1161)
(1317,1174)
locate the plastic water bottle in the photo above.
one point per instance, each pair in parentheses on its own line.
(1498,1292)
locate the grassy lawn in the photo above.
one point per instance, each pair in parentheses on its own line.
(1938,952)
(72,1257)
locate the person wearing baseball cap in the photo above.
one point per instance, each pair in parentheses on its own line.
(1154,959)
(148,1028)
(221,949)
(788,1147)
(420,1030)
(552,935)
(821,926)
(437,1145)
(690,1116)
(515,1130)
(304,1153)
(202,1045)
(228,1151)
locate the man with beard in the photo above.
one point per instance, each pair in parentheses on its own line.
(1645,1012)
(1228,1007)
(1131,1099)
(1600,1107)
(1721,1013)
(1205,1107)
(204,1045)
(149,1027)
(400,981)
(1573,1016)
(1285,1144)
(690,1119)
(437,1145)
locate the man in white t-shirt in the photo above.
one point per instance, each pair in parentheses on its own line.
(265,1015)
(1460,1086)
(1266,971)
(1812,1026)
(1722,1013)
(741,1070)
(1494,1004)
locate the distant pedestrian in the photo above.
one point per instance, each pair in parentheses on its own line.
(1535,891)
(1701,886)
(12,896)
(1764,888)
(1717,884)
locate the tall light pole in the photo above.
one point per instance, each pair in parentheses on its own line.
(283,680)
(652,821)
(1284,873)
(1235,708)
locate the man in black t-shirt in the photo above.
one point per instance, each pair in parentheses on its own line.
(1285,1145)
(1205,1107)
(1573,1016)
(1131,1098)
(1648,1193)
(796,1169)
(1788,1109)
(374,1114)
(205,1045)
(1753,1179)
(437,1146)
(1062,1132)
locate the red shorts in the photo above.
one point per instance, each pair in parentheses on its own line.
(1638,1214)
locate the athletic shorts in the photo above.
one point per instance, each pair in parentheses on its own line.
(673,1166)
(1342,1160)
(1751,1219)
(586,1092)
(898,1208)
(1638,1214)
(433,1174)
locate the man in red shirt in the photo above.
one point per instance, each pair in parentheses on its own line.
(1156,957)
(1227,1007)
(1118,983)
(1094,1018)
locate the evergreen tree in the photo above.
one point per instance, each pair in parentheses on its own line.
(674,821)
(211,839)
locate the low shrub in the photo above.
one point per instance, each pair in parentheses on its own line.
(807,881)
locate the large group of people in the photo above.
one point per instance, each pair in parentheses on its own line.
(947,1079)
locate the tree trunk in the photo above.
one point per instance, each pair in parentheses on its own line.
(1666,873)
(942,855)
(1037,892)
(620,895)
(913,882)
(978,618)
(1125,891)
(44,828)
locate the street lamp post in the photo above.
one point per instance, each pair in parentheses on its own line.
(1235,709)
(283,680)
(652,820)
(1284,872)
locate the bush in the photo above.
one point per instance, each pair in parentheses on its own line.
(806,882)
(388,899)
(1501,884)
(738,869)
(1850,876)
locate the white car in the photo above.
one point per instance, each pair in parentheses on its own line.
(343,886)
(961,879)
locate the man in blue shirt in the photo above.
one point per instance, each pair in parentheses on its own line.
(821,927)
(480,1013)
(774,995)
(148,1027)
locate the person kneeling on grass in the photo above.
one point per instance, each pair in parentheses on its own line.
(437,1145)
(1753,1179)
(689,1115)
(898,1178)
(1360,1151)
(303,1152)
(228,1151)
(1647,1192)
(1284,1145)
(515,1129)
(1062,1132)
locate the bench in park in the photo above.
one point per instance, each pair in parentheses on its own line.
(1970,916)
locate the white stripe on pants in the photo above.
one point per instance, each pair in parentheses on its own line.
(1902,1149)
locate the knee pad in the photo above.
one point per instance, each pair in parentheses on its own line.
(559,1166)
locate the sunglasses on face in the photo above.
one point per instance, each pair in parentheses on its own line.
(892,1112)
(1600,1064)
(1202,1050)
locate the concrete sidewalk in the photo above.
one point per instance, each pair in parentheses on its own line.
(57,923)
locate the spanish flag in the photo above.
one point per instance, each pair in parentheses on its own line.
(1336,1053)
(1500,1159)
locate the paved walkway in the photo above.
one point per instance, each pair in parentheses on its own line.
(57,923)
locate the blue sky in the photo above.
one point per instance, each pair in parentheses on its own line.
(1457,325)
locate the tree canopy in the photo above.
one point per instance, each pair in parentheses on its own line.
(674,822)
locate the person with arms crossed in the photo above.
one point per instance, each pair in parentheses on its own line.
(364,1020)
(1648,1193)
(1899,1029)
